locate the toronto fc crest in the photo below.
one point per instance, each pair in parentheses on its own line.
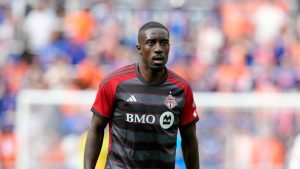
(170,101)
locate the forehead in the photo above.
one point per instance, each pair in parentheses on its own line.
(156,33)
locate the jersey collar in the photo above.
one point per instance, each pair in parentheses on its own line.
(140,77)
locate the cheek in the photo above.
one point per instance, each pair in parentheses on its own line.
(167,50)
(147,52)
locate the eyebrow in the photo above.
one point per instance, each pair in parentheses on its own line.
(166,39)
(161,40)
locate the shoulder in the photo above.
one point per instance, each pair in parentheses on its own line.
(177,79)
(120,74)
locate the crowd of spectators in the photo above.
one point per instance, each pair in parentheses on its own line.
(218,46)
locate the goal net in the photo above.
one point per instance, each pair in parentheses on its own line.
(235,131)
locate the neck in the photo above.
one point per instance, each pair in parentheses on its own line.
(151,76)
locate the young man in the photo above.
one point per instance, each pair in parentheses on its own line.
(145,104)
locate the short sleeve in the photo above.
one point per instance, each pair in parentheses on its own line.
(104,101)
(189,115)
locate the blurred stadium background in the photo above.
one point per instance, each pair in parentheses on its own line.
(242,58)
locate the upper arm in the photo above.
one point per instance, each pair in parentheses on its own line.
(98,124)
(188,133)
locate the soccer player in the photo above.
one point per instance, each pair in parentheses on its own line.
(144,104)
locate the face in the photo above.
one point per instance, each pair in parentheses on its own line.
(154,49)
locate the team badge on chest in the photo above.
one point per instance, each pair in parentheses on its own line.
(170,101)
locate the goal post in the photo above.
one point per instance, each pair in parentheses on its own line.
(42,113)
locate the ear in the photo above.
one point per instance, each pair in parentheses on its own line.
(138,48)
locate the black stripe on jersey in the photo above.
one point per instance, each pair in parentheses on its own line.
(153,90)
(145,146)
(135,104)
(120,110)
(137,107)
(131,163)
(122,160)
(114,164)
(147,155)
(143,136)
(147,93)
(150,100)
(99,115)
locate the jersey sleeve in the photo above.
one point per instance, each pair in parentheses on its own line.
(189,115)
(104,101)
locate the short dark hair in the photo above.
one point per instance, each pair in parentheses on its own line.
(152,24)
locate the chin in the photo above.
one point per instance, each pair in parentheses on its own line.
(157,68)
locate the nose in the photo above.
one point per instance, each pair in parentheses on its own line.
(158,48)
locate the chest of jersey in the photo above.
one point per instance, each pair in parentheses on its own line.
(148,107)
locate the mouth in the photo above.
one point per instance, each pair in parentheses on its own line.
(158,60)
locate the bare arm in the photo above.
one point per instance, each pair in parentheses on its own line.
(189,146)
(94,142)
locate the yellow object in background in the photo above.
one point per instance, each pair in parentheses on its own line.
(104,150)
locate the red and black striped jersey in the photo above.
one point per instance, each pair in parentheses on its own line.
(143,118)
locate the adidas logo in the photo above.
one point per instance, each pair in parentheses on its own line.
(131,99)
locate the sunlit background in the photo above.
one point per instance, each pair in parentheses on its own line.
(250,47)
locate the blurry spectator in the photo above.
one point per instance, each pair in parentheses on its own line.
(109,38)
(32,77)
(232,73)
(268,19)
(178,24)
(212,138)
(39,25)
(61,47)
(8,148)
(51,153)
(235,19)
(209,40)
(60,75)
(14,69)
(89,73)
(3,93)
(57,48)
(297,25)
(268,154)
(268,150)
(6,33)
(70,149)
(243,140)
(80,26)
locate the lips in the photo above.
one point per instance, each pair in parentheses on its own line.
(159,59)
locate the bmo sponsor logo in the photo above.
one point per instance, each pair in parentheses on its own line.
(166,120)
(140,118)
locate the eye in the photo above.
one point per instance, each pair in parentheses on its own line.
(164,43)
(150,42)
